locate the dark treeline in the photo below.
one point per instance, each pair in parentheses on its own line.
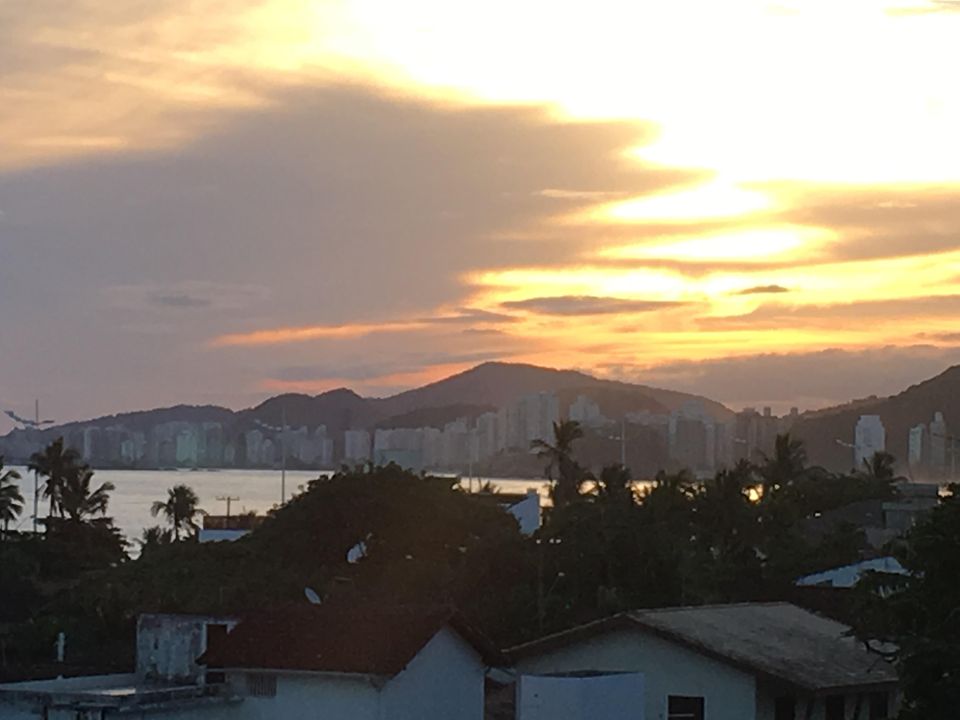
(605,545)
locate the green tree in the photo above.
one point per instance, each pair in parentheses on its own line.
(564,473)
(11,501)
(78,501)
(180,509)
(785,466)
(54,463)
(727,532)
(914,619)
(881,467)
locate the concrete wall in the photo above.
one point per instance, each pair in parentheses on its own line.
(443,682)
(310,696)
(668,668)
(168,646)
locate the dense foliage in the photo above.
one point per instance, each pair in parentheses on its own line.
(606,545)
(915,619)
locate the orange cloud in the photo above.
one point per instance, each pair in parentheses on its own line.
(278,336)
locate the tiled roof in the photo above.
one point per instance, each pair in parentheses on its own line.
(777,640)
(370,640)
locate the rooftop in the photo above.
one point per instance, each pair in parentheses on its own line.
(368,640)
(122,691)
(777,640)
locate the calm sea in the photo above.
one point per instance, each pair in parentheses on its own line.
(256,490)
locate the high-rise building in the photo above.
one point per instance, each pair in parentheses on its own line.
(938,442)
(487,435)
(869,438)
(357,447)
(586,412)
(918,446)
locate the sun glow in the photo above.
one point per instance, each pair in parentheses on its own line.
(757,245)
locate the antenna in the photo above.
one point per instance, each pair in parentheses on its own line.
(312,596)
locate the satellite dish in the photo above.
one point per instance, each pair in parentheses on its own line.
(357,553)
(312,596)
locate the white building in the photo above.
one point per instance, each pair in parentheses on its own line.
(869,438)
(586,412)
(486,431)
(310,661)
(938,442)
(727,662)
(355,663)
(357,446)
(917,444)
(590,696)
(168,683)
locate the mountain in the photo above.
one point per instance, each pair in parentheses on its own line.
(467,394)
(821,430)
(498,384)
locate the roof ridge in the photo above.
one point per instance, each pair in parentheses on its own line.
(711,606)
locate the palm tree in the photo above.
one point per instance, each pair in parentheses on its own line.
(77,500)
(559,456)
(11,501)
(786,466)
(882,467)
(180,509)
(55,463)
(615,485)
(153,537)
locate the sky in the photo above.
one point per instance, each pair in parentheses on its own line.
(214,201)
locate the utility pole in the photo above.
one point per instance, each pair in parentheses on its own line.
(36,473)
(228,500)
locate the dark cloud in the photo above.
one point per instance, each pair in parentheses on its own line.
(763,290)
(878,222)
(340,204)
(406,363)
(469,315)
(587,305)
(483,331)
(806,380)
(944,337)
(181,300)
(775,316)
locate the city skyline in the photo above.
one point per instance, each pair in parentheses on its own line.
(201,203)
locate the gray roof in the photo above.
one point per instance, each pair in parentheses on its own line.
(777,640)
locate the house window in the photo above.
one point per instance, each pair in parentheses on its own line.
(834,707)
(879,708)
(785,708)
(680,707)
(261,685)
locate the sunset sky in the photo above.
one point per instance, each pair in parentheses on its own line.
(212,201)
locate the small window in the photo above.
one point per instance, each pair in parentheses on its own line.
(680,707)
(879,707)
(261,685)
(835,707)
(785,708)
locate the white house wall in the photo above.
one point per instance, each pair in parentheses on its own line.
(668,669)
(310,696)
(443,682)
(618,696)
